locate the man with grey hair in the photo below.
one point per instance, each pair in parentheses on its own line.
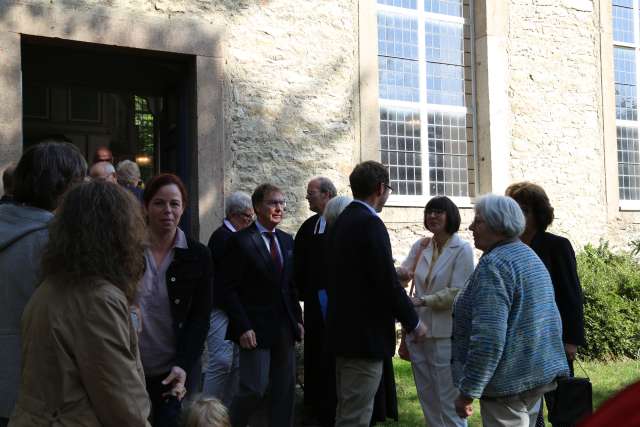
(128,175)
(221,375)
(310,278)
(103,171)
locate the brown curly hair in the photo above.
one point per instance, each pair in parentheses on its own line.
(99,231)
(534,198)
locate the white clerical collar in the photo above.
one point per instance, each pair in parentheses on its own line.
(321,225)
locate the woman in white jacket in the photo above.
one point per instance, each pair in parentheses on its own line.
(439,266)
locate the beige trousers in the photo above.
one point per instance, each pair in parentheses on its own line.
(431,365)
(357,381)
(516,411)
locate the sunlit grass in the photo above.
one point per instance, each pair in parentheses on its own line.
(607,379)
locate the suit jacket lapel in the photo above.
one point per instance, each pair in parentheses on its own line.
(261,247)
(446,255)
(284,248)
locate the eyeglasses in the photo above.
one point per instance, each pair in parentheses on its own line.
(388,187)
(434,212)
(313,193)
(276,203)
(245,216)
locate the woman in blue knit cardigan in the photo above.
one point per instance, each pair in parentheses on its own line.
(507,333)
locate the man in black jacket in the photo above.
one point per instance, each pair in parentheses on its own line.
(311,281)
(365,296)
(221,376)
(264,314)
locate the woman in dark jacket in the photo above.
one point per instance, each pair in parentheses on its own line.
(558,256)
(174,299)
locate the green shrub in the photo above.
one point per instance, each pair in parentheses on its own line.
(611,285)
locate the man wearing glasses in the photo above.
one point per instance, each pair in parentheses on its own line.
(221,375)
(365,296)
(264,315)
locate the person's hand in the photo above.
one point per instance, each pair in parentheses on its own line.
(176,379)
(419,334)
(301,330)
(248,340)
(404,274)
(464,406)
(570,350)
(417,302)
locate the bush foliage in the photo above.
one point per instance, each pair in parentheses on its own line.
(611,286)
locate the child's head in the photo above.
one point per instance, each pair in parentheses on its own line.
(207,412)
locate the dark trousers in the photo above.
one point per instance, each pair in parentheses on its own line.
(267,373)
(319,367)
(4,422)
(165,411)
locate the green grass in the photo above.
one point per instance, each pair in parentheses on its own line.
(607,378)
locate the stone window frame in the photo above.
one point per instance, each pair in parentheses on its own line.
(611,122)
(492,127)
(425,108)
(103,26)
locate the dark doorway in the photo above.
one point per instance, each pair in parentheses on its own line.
(140,104)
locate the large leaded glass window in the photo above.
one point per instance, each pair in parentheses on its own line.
(625,60)
(425,96)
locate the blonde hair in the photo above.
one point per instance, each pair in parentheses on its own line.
(207,412)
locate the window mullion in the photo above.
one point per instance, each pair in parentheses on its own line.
(424,129)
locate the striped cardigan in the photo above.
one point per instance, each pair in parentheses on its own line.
(507,334)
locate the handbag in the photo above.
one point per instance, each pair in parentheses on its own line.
(572,399)
(403,350)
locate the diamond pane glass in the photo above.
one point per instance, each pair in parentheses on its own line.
(397,36)
(446,7)
(408,4)
(622,24)
(447,136)
(400,149)
(628,163)
(625,84)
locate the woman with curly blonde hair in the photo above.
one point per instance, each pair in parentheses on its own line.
(81,364)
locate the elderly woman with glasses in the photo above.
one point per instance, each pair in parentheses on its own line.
(507,333)
(440,266)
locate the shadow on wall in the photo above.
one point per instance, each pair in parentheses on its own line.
(300,125)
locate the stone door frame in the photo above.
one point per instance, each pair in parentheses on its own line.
(102,26)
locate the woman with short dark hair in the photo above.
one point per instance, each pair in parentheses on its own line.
(45,172)
(507,334)
(81,364)
(174,300)
(439,266)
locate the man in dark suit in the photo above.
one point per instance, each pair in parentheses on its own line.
(365,296)
(221,376)
(264,314)
(311,281)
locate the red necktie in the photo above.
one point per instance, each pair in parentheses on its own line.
(273,248)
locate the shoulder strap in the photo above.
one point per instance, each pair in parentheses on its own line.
(423,244)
